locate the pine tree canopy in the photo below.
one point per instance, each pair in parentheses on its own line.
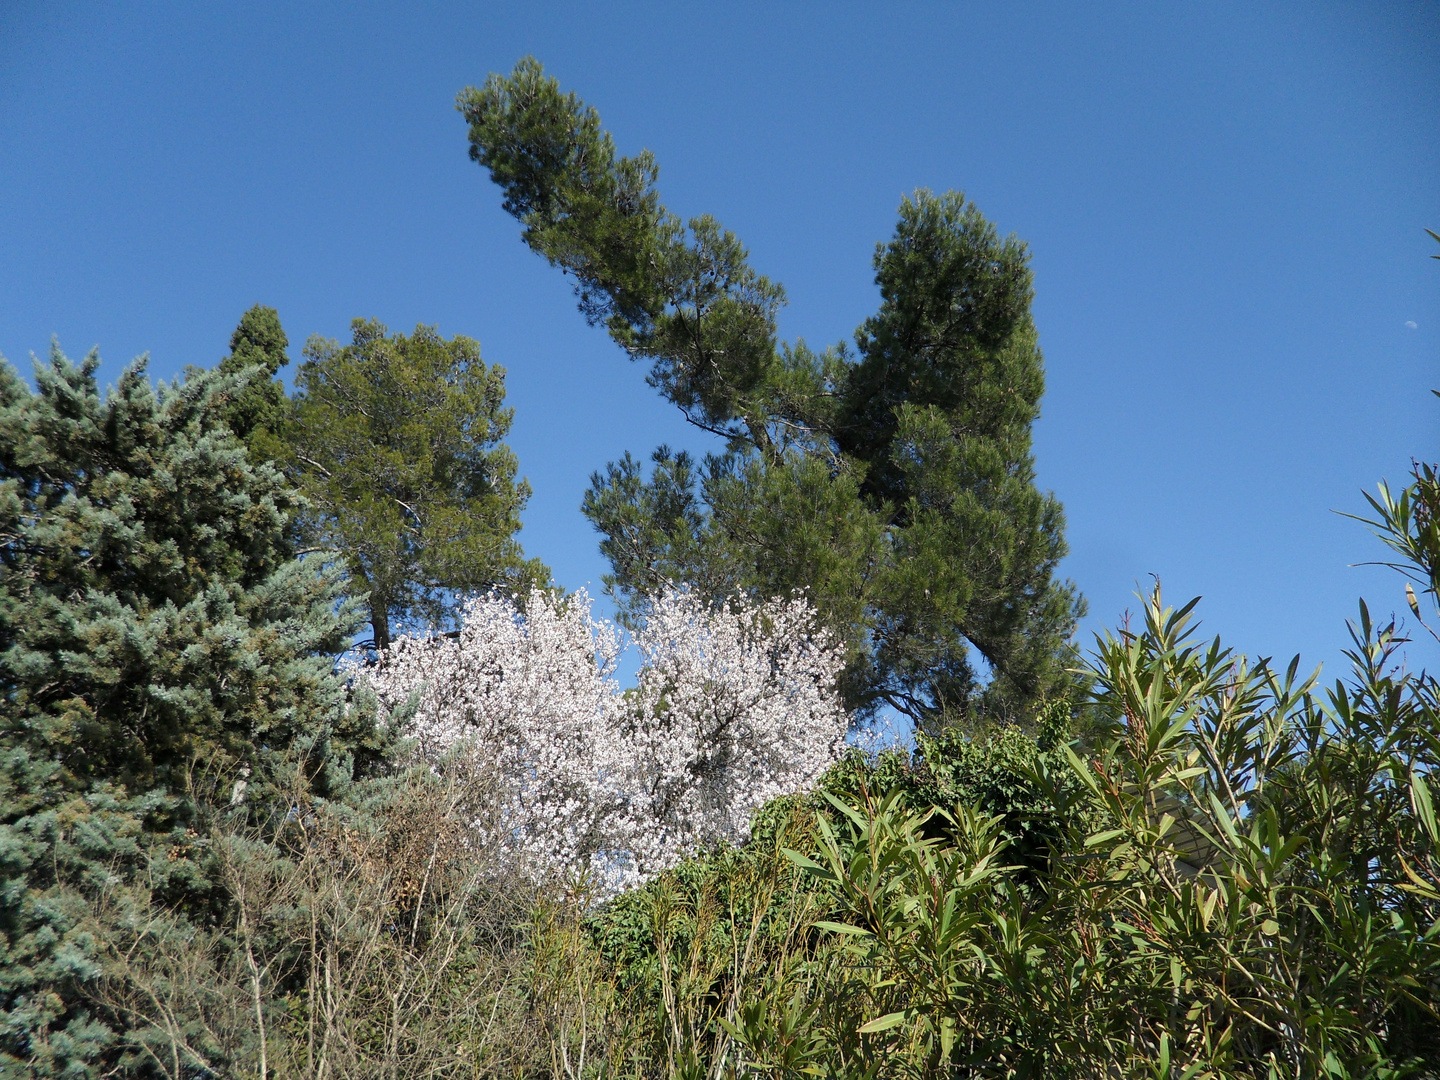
(397,443)
(893,481)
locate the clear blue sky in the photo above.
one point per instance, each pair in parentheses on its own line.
(1225,205)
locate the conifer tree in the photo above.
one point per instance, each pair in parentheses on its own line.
(396,441)
(257,411)
(153,628)
(894,481)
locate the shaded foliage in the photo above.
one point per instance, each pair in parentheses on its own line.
(256,412)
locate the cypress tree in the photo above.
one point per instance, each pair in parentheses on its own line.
(256,412)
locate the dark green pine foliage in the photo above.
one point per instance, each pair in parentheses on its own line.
(257,411)
(155,638)
(893,481)
(396,443)
(939,407)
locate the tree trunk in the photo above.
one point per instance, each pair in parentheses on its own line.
(380,623)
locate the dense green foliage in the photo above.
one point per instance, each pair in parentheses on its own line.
(1237,877)
(155,634)
(1206,868)
(1250,902)
(218,858)
(893,482)
(395,440)
(257,411)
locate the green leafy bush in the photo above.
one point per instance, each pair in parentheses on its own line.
(1234,873)
(1253,892)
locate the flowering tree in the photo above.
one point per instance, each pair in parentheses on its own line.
(733,706)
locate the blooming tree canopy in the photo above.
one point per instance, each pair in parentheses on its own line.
(734,706)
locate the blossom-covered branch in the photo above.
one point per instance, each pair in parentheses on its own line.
(733,706)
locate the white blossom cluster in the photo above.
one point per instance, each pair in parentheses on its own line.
(733,706)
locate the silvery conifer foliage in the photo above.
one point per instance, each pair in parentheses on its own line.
(156,637)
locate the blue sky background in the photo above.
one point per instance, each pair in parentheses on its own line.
(1225,204)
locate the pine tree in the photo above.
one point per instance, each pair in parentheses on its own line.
(396,441)
(893,482)
(155,637)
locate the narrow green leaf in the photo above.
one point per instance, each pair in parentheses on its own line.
(842,928)
(882,1023)
(802,861)
(1424,806)
(1104,837)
